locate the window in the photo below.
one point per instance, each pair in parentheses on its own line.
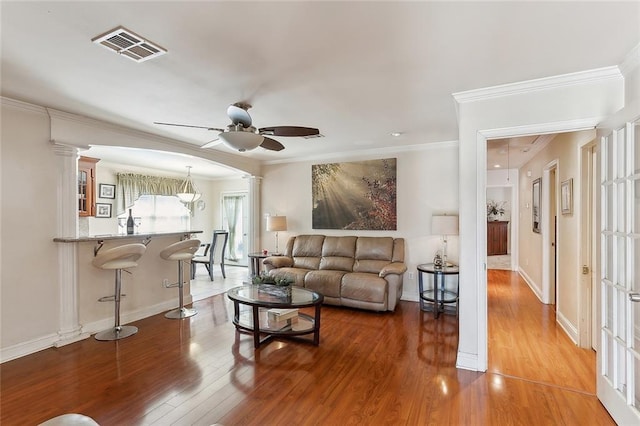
(157,213)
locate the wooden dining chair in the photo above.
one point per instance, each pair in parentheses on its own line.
(213,253)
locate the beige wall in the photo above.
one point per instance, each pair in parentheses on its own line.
(426,184)
(565,150)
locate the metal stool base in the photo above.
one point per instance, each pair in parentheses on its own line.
(117,333)
(181,313)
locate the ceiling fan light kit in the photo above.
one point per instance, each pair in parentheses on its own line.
(241,140)
(242,136)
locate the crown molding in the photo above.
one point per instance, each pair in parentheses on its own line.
(530,86)
(372,153)
(631,61)
(25,106)
(541,129)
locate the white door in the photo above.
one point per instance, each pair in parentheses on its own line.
(618,379)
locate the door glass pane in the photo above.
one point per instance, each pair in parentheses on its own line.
(620,152)
(609,355)
(608,158)
(635,307)
(608,301)
(636,147)
(621,358)
(620,207)
(607,220)
(620,262)
(620,317)
(636,267)
(607,269)
(636,380)
(635,199)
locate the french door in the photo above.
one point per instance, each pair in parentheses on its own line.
(618,379)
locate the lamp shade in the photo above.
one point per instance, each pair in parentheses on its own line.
(241,140)
(444,225)
(276,223)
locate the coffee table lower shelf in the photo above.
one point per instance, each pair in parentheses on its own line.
(292,329)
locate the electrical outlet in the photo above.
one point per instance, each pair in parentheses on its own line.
(410,275)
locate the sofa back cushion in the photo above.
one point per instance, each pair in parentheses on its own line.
(373,253)
(338,253)
(307,251)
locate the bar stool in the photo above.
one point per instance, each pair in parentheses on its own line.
(180,251)
(118,258)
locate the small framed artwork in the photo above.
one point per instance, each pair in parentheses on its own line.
(103,210)
(107,191)
(535,204)
(566,196)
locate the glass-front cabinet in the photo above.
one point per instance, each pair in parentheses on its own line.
(86,186)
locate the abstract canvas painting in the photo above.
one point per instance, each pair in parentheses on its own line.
(358,195)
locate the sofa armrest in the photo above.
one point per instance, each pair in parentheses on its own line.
(275,262)
(397,268)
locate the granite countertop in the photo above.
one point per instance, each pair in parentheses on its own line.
(105,237)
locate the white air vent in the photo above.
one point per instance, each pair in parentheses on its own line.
(129,44)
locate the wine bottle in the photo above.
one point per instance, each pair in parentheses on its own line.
(130,223)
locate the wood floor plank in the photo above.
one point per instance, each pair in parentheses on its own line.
(369,369)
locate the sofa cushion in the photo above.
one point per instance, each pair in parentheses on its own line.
(338,253)
(372,254)
(364,287)
(306,251)
(324,282)
(295,275)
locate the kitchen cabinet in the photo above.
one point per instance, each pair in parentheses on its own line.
(87,186)
(497,237)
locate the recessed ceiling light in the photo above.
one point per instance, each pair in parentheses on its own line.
(396,134)
(497,166)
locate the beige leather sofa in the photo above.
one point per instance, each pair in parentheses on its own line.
(359,272)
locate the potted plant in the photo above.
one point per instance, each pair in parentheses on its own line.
(283,283)
(495,209)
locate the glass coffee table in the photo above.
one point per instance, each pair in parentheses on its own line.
(263,297)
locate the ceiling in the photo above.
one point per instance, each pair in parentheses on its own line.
(358,71)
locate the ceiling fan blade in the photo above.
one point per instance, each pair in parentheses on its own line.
(289,131)
(188,125)
(271,144)
(214,142)
(238,114)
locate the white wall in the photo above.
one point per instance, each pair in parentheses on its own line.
(427,180)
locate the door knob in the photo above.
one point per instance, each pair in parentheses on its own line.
(634,297)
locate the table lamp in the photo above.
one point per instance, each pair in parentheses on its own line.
(275,224)
(444,225)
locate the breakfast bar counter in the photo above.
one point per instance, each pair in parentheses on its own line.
(145,287)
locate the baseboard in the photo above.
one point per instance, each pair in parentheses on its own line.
(467,361)
(531,284)
(51,340)
(28,347)
(570,329)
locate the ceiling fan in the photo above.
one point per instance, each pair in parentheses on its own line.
(242,136)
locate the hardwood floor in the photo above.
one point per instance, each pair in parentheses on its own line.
(393,368)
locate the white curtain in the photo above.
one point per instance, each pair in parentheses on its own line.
(130,186)
(233,210)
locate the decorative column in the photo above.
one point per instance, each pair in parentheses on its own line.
(254,213)
(70,329)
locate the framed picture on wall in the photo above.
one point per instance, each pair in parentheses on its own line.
(566,196)
(535,204)
(103,210)
(107,191)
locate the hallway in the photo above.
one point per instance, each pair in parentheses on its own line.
(526,343)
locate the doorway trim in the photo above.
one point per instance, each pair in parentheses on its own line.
(549,277)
